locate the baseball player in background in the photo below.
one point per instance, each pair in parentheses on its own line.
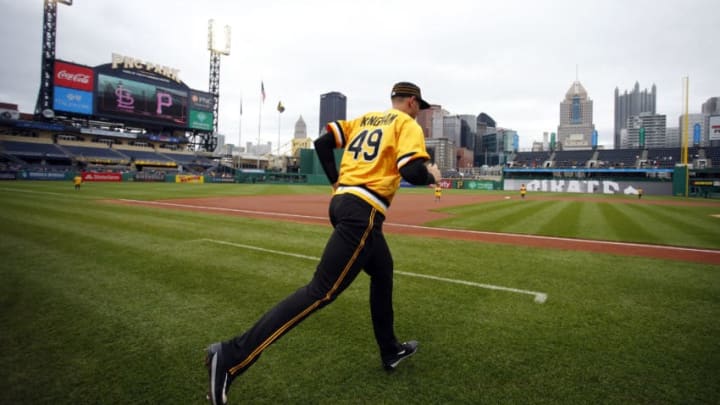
(379,149)
(77,181)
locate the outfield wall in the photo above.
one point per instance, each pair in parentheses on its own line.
(653,181)
(595,186)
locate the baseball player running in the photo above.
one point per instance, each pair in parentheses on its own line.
(379,149)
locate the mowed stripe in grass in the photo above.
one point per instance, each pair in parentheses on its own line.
(601,220)
(694,228)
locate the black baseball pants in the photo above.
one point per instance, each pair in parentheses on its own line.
(357,243)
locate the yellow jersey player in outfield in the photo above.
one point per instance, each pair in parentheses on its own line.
(377,145)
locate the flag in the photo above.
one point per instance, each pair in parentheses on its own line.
(262,90)
(280,107)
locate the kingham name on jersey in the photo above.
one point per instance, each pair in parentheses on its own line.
(377,120)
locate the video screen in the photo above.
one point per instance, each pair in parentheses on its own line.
(121,97)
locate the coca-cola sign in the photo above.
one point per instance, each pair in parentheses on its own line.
(73,76)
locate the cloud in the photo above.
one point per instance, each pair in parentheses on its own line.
(512,59)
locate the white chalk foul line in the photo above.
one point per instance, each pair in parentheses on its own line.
(265,213)
(539,296)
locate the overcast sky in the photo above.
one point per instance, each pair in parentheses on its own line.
(511,59)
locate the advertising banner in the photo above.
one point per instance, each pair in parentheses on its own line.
(149,176)
(73,76)
(642,137)
(93,176)
(201,101)
(71,100)
(201,120)
(33,175)
(164,138)
(133,99)
(185,178)
(479,185)
(222,179)
(714,128)
(106,132)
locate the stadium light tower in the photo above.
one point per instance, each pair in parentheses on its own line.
(218,45)
(45,95)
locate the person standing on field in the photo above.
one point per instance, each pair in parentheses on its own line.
(523,191)
(438,192)
(77,181)
(379,149)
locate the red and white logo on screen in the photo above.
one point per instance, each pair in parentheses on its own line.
(73,76)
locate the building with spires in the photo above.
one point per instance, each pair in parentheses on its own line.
(576,119)
(300,139)
(300,129)
(631,104)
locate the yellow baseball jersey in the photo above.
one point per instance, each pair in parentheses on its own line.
(438,191)
(77,180)
(376,145)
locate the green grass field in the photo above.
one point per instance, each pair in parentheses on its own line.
(111,304)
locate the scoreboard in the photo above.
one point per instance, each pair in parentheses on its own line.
(131,90)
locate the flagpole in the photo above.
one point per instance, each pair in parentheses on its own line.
(257,148)
(262,101)
(240,125)
(278,145)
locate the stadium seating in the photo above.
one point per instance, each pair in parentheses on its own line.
(32,149)
(530,159)
(714,155)
(146,156)
(619,158)
(188,159)
(572,158)
(94,153)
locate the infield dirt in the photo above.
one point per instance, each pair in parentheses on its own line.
(410,211)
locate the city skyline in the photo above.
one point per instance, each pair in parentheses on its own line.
(468,65)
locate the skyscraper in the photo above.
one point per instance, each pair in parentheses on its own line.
(631,104)
(300,129)
(576,119)
(693,121)
(452,125)
(333,107)
(654,126)
(468,130)
(431,121)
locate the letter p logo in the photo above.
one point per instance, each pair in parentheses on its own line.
(163,100)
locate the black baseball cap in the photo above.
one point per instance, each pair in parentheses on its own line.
(407,89)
